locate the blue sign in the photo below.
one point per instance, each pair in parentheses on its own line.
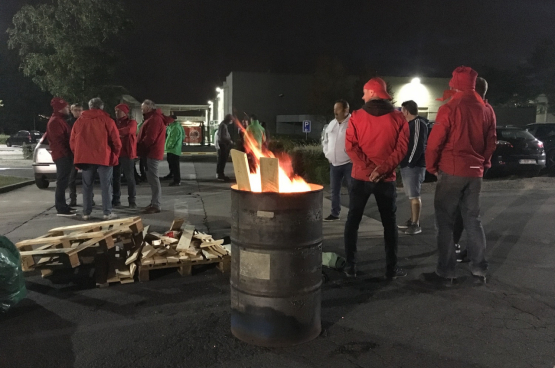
(307,126)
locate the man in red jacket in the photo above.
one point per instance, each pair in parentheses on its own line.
(96,145)
(152,138)
(128,134)
(460,145)
(58,132)
(376,141)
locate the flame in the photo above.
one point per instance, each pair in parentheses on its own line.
(288,181)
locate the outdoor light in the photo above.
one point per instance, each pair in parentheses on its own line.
(415,80)
(218,89)
(210,102)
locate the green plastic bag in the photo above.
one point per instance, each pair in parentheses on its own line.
(332,260)
(12,281)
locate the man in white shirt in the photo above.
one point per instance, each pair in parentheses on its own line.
(334,149)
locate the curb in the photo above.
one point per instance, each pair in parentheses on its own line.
(9,188)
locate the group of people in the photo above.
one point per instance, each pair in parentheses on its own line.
(93,142)
(365,148)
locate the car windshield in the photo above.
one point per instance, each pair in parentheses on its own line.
(513,134)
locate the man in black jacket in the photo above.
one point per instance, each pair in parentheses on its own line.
(413,166)
(76,111)
(225,143)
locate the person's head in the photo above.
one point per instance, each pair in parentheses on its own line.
(59,105)
(341,110)
(464,79)
(122,110)
(254,118)
(228,119)
(96,104)
(76,110)
(375,89)
(147,106)
(409,109)
(481,87)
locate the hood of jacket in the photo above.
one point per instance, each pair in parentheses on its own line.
(378,107)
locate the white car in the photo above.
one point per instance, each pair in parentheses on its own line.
(43,165)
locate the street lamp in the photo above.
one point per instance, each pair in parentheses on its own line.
(415,80)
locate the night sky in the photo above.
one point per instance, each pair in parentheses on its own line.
(180,51)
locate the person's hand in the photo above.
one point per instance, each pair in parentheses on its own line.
(375,176)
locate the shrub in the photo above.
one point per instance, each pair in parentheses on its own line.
(310,163)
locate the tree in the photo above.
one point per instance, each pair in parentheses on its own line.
(65,47)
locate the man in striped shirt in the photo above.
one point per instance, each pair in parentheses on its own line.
(413,166)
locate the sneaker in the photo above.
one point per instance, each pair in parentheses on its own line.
(151,210)
(413,229)
(331,218)
(405,225)
(436,280)
(66,213)
(133,205)
(399,272)
(174,184)
(86,217)
(111,216)
(350,271)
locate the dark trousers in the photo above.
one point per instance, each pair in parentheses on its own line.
(125,166)
(73,184)
(337,175)
(223,155)
(175,170)
(457,194)
(386,195)
(64,166)
(142,168)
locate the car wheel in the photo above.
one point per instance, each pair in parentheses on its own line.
(42,183)
(550,159)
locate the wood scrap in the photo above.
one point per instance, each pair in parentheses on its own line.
(186,237)
(241,168)
(269,174)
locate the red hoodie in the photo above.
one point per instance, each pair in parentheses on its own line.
(152,136)
(95,139)
(128,134)
(58,132)
(463,137)
(377,136)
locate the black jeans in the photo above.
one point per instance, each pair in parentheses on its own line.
(73,184)
(175,171)
(64,166)
(459,196)
(223,155)
(386,195)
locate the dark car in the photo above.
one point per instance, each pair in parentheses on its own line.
(545,132)
(23,137)
(517,151)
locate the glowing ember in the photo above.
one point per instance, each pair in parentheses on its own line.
(288,181)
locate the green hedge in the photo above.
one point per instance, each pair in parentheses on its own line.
(3,138)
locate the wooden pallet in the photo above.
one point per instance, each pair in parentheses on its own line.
(183,267)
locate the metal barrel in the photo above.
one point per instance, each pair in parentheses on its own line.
(276,266)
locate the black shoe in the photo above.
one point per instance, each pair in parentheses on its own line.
(436,280)
(66,213)
(351,271)
(331,218)
(399,272)
(174,184)
(405,225)
(132,205)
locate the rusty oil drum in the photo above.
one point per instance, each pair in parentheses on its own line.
(276,266)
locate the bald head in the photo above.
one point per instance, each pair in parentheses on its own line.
(481,87)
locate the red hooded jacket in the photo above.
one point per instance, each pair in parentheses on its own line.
(128,134)
(95,139)
(463,137)
(152,136)
(58,133)
(377,137)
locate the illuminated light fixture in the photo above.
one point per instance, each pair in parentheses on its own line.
(415,80)
(218,89)
(210,102)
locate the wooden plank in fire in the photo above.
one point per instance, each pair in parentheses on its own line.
(269,174)
(241,167)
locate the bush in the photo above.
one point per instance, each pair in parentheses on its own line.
(3,138)
(310,163)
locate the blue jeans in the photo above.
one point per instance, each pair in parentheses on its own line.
(386,195)
(105,174)
(127,167)
(154,181)
(337,175)
(456,194)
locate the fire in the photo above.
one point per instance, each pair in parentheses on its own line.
(288,181)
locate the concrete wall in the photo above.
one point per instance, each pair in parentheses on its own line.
(292,125)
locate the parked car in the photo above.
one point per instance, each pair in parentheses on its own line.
(545,132)
(23,137)
(43,165)
(517,151)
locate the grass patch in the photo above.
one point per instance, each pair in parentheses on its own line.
(9,180)
(3,138)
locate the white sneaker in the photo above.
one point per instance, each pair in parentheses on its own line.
(111,216)
(86,217)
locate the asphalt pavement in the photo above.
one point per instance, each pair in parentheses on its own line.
(174,321)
